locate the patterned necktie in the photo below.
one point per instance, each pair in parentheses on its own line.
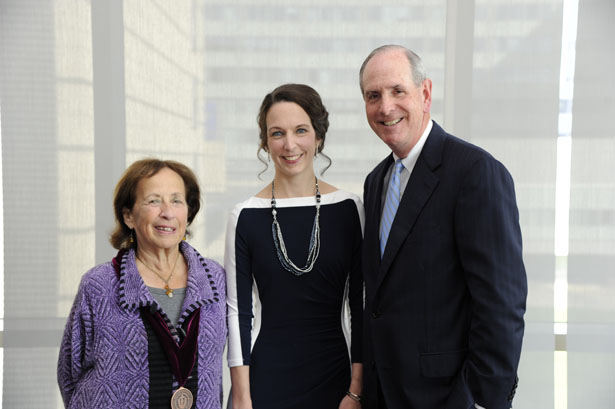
(391,203)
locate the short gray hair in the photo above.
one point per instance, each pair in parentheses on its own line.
(416,64)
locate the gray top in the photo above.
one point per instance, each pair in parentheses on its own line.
(170,305)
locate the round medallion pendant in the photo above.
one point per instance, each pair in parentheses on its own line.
(181,399)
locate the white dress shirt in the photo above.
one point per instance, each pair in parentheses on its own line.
(409,162)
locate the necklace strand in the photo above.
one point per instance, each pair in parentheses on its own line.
(168,290)
(278,240)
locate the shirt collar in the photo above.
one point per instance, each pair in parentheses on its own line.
(410,160)
(200,287)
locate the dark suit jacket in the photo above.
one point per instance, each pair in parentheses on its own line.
(444,307)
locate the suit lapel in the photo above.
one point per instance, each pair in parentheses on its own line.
(419,189)
(376,206)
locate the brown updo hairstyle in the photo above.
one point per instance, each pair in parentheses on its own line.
(126,190)
(309,100)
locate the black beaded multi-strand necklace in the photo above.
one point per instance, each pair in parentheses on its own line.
(278,240)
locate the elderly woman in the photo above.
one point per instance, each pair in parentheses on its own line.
(148,328)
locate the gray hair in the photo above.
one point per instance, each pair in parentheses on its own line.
(416,64)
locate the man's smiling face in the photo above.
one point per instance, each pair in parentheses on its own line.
(396,108)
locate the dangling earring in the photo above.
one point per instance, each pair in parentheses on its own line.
(184,239)
(268,157)
(131,240)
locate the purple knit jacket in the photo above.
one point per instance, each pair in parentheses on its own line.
(103,359)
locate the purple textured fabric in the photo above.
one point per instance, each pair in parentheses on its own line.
(103,356)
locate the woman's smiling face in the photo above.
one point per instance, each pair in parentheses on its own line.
(291,139)
(159,216)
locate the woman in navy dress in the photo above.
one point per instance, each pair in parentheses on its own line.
(294,284)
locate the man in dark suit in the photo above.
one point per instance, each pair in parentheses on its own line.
(444,277)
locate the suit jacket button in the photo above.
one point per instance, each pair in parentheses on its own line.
(375,314)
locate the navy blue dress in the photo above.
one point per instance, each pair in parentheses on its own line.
(293,331)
